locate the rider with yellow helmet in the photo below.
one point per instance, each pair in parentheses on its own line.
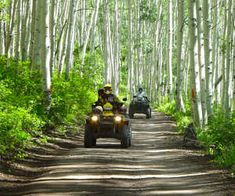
(109,96)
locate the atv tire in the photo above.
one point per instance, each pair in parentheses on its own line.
(93,142)
(88,137)
(148,114)
(126,137)
(131,115)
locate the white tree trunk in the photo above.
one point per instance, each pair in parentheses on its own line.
(116,49)
(45,50)
(92,23)
(52,35)
(180,68)
(201,60)
(170,48)
(226,90)
(69,51)
(194,76)
(207,52)
(17,37)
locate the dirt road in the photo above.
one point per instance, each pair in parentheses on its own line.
(156,164)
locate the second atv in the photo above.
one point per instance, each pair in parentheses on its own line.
(140,106)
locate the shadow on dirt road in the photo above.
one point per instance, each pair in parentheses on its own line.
(156,164)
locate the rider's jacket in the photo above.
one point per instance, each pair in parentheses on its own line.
(140,95)
(111,98)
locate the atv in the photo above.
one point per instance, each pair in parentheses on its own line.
(108,121)
(140,105)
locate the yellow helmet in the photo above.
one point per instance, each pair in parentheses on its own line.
(108,88)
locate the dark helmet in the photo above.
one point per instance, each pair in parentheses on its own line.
(140,89)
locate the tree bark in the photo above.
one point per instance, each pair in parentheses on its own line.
(207,52)
(179,99)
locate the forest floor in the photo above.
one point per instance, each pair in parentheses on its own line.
(155,164)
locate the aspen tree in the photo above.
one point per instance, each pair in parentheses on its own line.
(70,36)
(201,60)
(43,10)
(25,14)
(1,33)
(194,75)
(83,21)
(130,48)
(107,52)
(32,34)
(62,26)
(52,35)
(92,23)
(10,26)
(180,25)
(227,105)
(17,31)
(170,48)
(207,52)
(36,58)
(215,64)
(233,76)
(116,48)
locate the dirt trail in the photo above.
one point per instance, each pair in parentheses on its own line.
(156,164)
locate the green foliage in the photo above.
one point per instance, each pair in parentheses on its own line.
(3,6)
(219,133)
(20,102)
(167,107)
(182,119)
(92,69)
(217,136)
(148,11)
(25,87)
(23,115)
(72,99)
(17,126)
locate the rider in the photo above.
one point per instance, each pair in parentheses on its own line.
(109,96)
(140,94)
(100,97)
(105,95)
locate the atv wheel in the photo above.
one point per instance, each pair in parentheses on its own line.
(126,137)
(93,142)
(130,112)
(88,137)
(131,115)
(148,115)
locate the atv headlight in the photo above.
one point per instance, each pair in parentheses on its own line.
(94,118)
(118,118)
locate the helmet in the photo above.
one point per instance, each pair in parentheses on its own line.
(108,88)
(99,108)
(140,89)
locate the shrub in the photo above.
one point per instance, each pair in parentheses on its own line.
(182,119)
(72,99)
(219,133)
(17,126)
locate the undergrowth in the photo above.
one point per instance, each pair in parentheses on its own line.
(22,104)
(217,136)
